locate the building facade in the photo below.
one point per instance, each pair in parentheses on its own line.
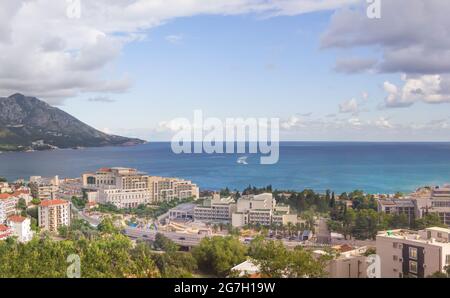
(261,209)
(216,209)
(406,253)
(8,204)
(129,188)
(44,188)
(398,206)
(21,228)
(54,214)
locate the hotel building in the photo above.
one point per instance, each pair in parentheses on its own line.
(413,254)
(215,209)
(261,209)
(122,187)
(129,188)
(167,189)
(54,214)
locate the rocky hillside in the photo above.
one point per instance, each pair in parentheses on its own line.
(29,123)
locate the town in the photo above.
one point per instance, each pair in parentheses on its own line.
(168,217)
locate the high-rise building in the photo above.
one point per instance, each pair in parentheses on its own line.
(54,214)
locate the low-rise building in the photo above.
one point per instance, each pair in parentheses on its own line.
(433,200)
(215,209)
(54,214)
(21,228)
(398,206)
(247,269)
(182,212)
(413,254)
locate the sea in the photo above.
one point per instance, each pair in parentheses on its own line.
(337,166)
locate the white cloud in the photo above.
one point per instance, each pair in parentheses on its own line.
(47,54)
(349,106)
(383,122)
(431,89)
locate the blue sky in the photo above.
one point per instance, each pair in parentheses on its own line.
(244,64)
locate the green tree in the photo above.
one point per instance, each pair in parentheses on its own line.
(217,255)
(163,243)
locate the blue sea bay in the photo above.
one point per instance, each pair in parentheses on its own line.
(339,166)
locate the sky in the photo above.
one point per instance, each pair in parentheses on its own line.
(324,68)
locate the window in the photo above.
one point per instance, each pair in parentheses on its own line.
(395,244)
(395,258)
(413,253)
(447,260)
(413,267)
(439,235)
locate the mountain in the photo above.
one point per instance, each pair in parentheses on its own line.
(29,123)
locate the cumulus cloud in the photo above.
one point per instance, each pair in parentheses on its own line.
(46,52)
(413,35)
(431,89)
(349,106)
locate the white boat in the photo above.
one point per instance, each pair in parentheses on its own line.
(242,160)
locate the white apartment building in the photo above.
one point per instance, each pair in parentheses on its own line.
(44,188)
(21,228)
(122,187)
(8,204)
(261,209)
(433,200)
(216,209)
(348,263)
(53,214)
(413,254)
(167,189)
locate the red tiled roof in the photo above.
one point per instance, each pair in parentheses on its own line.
(16,218)
(5,196)
(47,203)
(104,170)
(20,192)
(3,228)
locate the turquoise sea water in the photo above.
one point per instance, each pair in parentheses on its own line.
(373,167)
